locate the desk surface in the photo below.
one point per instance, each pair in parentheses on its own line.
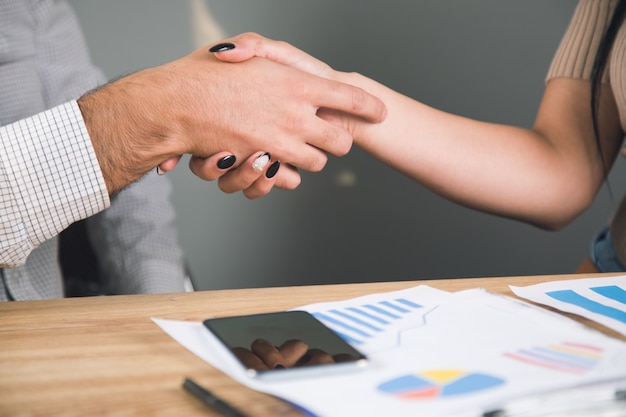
(104,356)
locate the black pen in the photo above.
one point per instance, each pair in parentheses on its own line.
(211,399)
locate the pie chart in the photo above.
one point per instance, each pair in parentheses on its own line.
(438,383)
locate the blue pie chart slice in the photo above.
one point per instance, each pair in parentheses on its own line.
(439,383)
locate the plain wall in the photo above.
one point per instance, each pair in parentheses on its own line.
(485,59)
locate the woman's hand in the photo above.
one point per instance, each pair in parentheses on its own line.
(250,45)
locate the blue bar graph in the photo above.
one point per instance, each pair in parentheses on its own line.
(611,291)
(571,297)
(359,324)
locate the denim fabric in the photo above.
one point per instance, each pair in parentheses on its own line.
(603,254)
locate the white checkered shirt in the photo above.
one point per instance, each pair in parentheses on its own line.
(49,175)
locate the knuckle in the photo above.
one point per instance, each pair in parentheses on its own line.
(282,44)
(226,186)
(251,194)
(294,123)
(338,141)
(359,99)
(249,36)
(288,179)
(344,145)
(317,163)
(294,183)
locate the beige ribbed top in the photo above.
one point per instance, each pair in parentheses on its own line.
(575,55)
(574,59)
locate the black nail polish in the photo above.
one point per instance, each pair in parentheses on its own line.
(221,47)
(279,366)
(226,162)
(272,170)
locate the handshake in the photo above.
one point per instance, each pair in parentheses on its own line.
(250,111)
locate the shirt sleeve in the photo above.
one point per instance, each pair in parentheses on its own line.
(49,178)
(136,239)
(579,45)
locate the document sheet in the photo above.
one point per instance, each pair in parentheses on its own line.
(435,353)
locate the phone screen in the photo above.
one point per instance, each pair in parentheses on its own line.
(285,344)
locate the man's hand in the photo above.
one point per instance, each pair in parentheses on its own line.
(251,45)
(202,106)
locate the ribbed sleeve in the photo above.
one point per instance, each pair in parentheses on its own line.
(617,65)
(578,48)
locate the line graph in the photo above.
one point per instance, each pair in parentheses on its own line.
(375,324)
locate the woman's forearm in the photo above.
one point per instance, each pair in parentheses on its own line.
(505,170)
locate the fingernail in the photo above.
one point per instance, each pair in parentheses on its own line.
(221,47)
(272,170)
(260,162)
(279,366)
(160,170)
(226,162)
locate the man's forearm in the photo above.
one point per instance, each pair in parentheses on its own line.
(126,130)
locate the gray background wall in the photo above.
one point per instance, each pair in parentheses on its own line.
(480,58)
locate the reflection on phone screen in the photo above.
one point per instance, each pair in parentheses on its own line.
(282,341)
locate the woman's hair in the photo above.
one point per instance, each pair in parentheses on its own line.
(599,64)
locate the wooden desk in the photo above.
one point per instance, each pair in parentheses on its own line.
(104,356)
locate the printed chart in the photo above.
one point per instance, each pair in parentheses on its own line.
(435,353)
(565,357)
(610,292)
(599,299)
(438,384)
(374,325)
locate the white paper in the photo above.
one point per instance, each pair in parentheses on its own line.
(600,299)
(455,355)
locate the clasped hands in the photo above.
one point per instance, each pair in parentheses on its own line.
(314,119)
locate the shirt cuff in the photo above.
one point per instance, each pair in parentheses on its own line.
(54,177)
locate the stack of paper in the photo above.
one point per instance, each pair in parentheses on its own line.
(435,353)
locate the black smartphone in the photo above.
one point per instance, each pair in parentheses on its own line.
(285,344)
